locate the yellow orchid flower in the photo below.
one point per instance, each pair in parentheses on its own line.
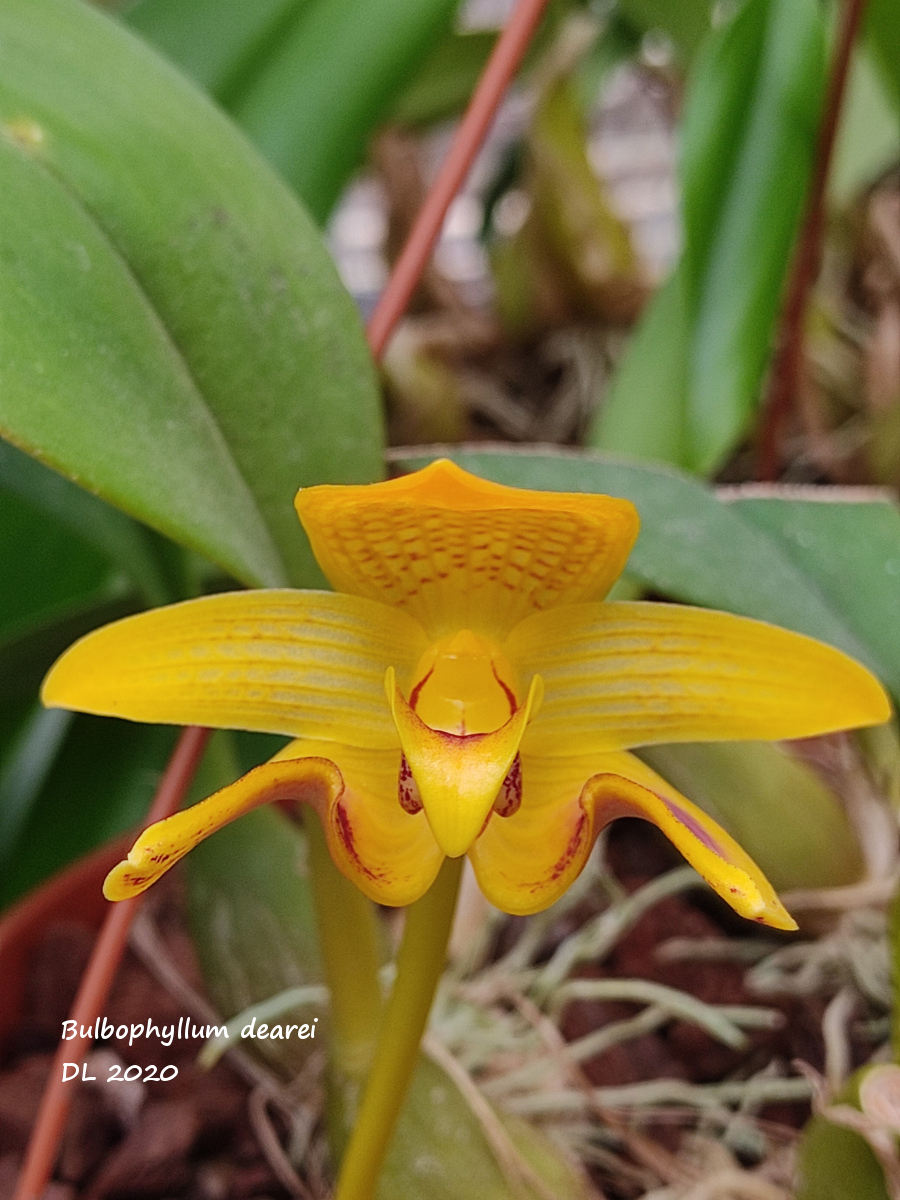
(465,690)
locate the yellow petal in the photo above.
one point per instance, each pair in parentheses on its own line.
(461,553)
(313,781)
(390,854)
(458,775)
(292,662)
(630,674)
(525,862)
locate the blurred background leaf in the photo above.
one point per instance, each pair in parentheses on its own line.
(686,23)
(881,32)
(869,133)
(445,79)
(90,779)
(118,541)
(747,141)
(807,842)
(836,1163)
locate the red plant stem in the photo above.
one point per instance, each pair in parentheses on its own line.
(501,67)
(788,363)
(97,981)
(110,945)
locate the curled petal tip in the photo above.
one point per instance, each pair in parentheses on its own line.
(755,901)
(780,919)
(311,780)
(128,879)
(630,788)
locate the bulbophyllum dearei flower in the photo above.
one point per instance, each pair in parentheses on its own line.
(464,690)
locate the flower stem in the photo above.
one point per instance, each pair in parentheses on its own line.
(419,966)
(349,940)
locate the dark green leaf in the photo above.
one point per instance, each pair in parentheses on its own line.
(208,361)
(121,541)
(34,645)
(26,758)
(47,573)
(100,783)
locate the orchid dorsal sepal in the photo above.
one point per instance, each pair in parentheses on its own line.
(458,775)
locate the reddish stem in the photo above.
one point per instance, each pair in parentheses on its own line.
(502,66)
(110,945)
(97,981)
(788,362)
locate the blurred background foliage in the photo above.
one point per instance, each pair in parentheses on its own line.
(194,194)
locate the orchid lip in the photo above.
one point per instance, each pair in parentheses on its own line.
(458,775)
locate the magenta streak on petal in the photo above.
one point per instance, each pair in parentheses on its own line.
(695,827)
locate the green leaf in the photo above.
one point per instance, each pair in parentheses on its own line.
(216,42)
(756,221)
(868,141)
(882,37)
(643,411)
(438,1132)
(848,542)
(48,574)
(177,339)
(715,115)
(691,547)
(309,80)
(26,758)
(96,784)
(121,541)
(33,645)
(748,137)
(90,366)
(329,81)
(445,79)
(686,22)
